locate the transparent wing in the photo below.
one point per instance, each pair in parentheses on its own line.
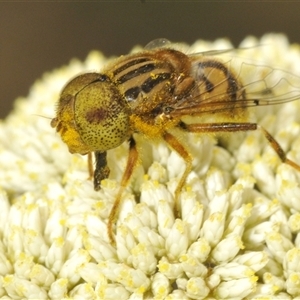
(235,83)
(158,43)
(222,51)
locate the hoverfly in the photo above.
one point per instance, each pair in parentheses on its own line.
(151,93)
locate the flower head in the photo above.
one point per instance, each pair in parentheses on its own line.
(238,232)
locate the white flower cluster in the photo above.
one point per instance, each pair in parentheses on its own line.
(237,237)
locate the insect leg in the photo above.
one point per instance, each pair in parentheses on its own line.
(177,146)
(274,144)
(131,163)
(232,127)
(218,127)
(101,170)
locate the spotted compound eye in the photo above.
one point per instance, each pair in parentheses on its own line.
(101,114)
(92,111)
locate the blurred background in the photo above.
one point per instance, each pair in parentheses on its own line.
(36,37)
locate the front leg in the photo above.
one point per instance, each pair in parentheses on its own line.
(131,163)
(101,170)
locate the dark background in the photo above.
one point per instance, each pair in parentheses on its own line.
(38,36)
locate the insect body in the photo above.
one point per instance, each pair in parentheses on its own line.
(151,93)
